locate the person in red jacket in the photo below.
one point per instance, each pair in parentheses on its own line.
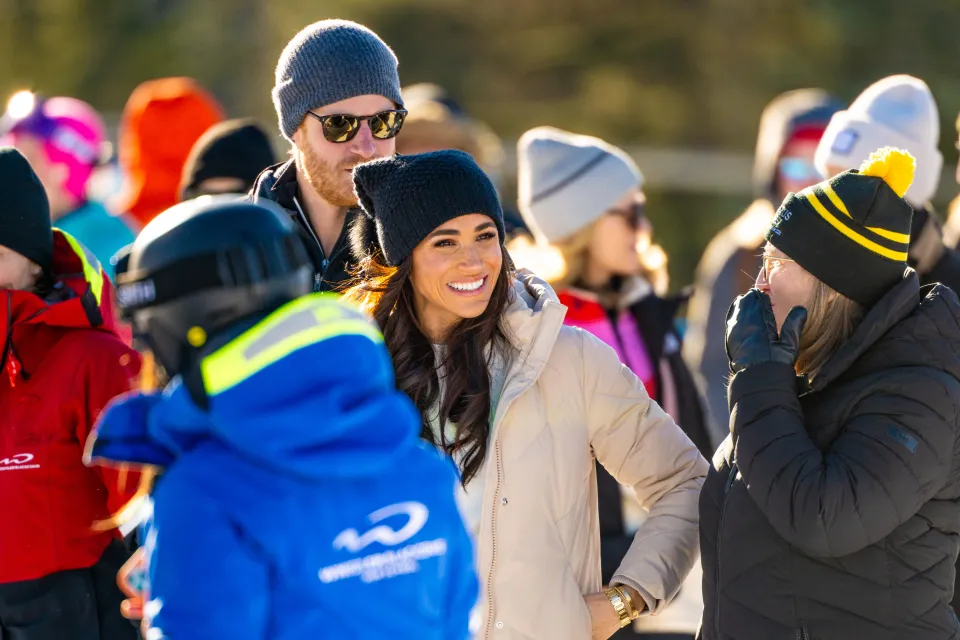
(60,363)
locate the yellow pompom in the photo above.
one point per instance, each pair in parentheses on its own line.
(895,166)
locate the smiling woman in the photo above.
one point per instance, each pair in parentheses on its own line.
(454,271)
(524,404)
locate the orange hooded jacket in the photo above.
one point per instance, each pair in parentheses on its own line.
(161,122)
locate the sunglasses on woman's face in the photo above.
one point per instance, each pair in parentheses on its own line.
(635,215)
(341,127)
(798,170)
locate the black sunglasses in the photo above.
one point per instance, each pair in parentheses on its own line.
(634,215)
(343,128)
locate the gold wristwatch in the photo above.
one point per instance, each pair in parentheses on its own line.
(619,603)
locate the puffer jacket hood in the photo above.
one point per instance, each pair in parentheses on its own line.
(82,297)
(833,509)
(786,114)
(262,416)
(933,328)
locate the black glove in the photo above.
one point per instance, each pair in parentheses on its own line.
(752,333)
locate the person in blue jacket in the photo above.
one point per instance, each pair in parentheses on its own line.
(294,498)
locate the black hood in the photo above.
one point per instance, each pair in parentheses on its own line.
(781,118)
(911,326)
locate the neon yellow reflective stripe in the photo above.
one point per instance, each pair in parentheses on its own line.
(92,272)
(850,233)
(835,199)
(305,321)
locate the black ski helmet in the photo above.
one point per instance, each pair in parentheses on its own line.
(204,265)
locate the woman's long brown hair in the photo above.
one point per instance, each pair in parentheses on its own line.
(831,320)
(386,293)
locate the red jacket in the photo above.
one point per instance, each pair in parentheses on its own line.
(60,363)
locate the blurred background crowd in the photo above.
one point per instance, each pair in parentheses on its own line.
(680,85)
(125,108)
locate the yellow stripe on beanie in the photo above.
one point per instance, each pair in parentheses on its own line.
(835,199)
(847,231)
(903,238)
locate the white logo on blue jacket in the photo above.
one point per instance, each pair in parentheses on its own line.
(416,513)
(386,564)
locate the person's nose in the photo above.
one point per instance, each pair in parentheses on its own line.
(364,144)
(470,261)
(761,282)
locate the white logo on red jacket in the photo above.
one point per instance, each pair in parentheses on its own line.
(18,462)
(416,513)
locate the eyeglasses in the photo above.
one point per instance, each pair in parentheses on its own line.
(341,127)
(635,215)
(770,263)
(798,170)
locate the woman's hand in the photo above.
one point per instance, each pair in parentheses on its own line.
(752,332)
(604,618)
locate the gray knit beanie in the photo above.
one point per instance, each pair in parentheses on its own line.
(567,181)
(330,61)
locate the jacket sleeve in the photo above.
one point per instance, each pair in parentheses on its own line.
(206,579)
(642,447)
(111,373)
(893,454)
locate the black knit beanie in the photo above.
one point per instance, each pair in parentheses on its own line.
(25,215)
(232,149)
(407,197)
(852,232)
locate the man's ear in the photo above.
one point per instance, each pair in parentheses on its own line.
(300,134)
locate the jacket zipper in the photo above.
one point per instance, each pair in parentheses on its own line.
(306,223)
(802,632)
(493,526)
(496,502)
(8,342)
(723,512)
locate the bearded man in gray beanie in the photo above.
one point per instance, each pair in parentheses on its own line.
(338,102)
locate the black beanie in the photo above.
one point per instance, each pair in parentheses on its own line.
(852,232)
(231,149)
(408,197)
(25,214)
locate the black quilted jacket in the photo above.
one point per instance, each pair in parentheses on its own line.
(832,512)
(279,184)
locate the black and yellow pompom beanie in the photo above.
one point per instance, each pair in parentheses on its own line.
(852,232)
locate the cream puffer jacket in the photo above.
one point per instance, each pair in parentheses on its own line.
(566,402)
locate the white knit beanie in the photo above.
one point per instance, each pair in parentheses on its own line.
(567,181)
(897,111)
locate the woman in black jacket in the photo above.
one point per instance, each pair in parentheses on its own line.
(833,509)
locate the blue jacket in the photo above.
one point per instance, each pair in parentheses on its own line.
(302,503)
(99,231)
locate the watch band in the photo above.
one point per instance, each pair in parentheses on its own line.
(631,608)
(619,605)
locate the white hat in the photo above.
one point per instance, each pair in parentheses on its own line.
(567,181)
(897,111)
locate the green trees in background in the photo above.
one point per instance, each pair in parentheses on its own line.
(691,73)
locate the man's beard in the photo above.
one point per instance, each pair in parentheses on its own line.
(331,182)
